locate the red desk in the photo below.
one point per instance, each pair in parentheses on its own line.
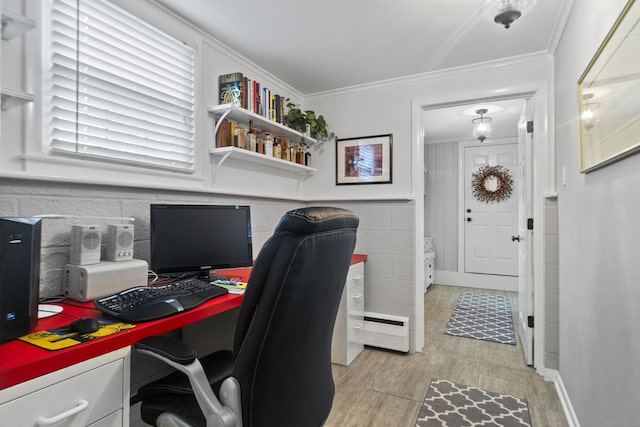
(21,361)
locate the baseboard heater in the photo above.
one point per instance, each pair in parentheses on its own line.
(386,331)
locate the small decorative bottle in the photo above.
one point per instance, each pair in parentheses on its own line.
(268,145)
(285,151)
(277,149)
(251,138)
(260,144)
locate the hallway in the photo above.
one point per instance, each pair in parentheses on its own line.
(386,389)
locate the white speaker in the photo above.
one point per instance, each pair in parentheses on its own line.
(86,283)
(85,244)
(119,242)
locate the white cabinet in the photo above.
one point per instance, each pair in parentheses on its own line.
(429,268)
(348,334)
(94,393)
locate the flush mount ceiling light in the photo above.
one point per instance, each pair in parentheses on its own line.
(481,125)
(505,12)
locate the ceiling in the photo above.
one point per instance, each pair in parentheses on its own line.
(453,124)
(317,46)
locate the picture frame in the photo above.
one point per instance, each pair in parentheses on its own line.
(609,95)
(364,160)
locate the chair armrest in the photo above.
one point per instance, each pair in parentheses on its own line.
(180,356)
(169,347)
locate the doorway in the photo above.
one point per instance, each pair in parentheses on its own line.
(482,249)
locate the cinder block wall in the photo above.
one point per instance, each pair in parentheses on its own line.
(552,286)
(32,197)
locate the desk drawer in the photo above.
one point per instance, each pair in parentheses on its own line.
(78,401)
(355,296)
(112,420)
(355,276)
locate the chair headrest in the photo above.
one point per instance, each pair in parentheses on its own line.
(316,219)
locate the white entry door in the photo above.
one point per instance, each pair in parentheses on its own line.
(525,234)
(490,226)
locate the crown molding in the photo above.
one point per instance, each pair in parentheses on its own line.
(463,69)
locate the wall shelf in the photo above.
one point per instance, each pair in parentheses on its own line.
(241,115)
(224,153)
(15,25)
(14,98)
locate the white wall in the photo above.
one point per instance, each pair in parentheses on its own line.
(441,203)
(598,245)
(552,286)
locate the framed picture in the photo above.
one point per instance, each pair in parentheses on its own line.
(364,160)
(609,95)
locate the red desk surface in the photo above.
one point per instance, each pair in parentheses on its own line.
(21,361)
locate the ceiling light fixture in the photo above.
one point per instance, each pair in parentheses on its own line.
(588,115)
(481,125)
(505,12)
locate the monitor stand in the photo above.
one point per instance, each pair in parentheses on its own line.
(205,275)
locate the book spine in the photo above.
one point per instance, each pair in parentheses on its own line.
(259,98)
(272,107)
(265,102)
(245,87)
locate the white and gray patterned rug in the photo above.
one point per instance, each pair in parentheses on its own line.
(483,317)
(453,405)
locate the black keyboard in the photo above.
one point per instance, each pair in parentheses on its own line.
(144,303)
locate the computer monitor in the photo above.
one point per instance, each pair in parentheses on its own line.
(199,238)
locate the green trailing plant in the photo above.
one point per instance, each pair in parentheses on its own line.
(299,120)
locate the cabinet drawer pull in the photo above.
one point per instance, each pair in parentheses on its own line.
(356,296)
(81,406)
(357,326)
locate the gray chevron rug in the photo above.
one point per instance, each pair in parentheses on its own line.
(454,405)
(482,317)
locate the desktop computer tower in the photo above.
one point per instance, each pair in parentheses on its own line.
(19,276)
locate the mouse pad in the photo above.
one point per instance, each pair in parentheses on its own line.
(64,336)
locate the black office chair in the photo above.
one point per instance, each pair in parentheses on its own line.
(279,373)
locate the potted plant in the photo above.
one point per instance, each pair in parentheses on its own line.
(304,121)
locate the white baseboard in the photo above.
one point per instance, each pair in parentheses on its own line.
(481,281)
(569,413)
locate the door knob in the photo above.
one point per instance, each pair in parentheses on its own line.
(514,238)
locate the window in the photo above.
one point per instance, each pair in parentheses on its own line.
(118,88)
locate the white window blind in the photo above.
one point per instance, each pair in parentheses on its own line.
(119,88)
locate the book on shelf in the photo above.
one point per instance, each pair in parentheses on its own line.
(245,85)
(231,89)
(241,91)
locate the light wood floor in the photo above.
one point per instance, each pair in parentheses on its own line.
(386,389)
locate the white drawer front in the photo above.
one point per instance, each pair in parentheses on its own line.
(355,277)
(355,296)
(113,420)
(355,324)
(75,402)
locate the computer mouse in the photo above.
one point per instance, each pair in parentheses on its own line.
(85,326)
